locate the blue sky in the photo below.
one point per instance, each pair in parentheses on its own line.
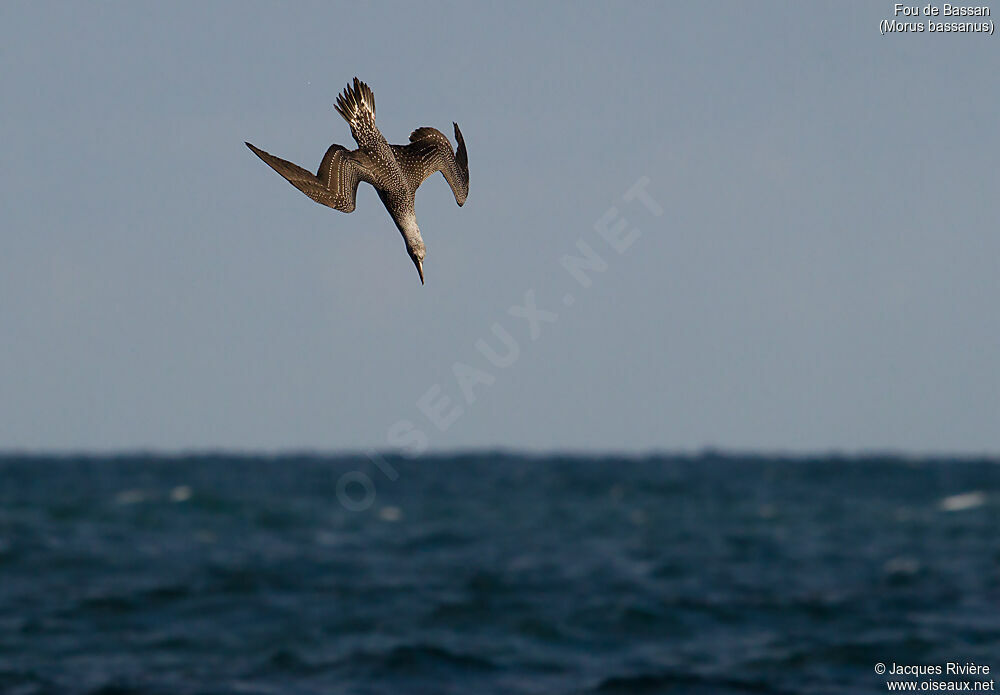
(824,273)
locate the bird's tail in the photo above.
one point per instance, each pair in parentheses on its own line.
(357,105)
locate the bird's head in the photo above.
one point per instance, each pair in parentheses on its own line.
(417,253)
(407,224)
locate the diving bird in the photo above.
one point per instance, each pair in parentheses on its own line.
(396,171)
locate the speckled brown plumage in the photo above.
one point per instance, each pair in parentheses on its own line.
(396,171)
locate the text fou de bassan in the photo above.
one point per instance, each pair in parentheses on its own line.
(930,18)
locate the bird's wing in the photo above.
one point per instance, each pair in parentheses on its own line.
(428,152)
(336,182)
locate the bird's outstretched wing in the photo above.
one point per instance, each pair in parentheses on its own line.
(335,184)
(428,152)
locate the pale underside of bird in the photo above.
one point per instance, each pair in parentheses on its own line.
(396,171)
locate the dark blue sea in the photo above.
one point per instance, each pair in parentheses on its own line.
(491,573)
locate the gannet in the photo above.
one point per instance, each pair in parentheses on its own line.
(396,171)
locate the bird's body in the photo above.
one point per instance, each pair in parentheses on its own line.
(396,171)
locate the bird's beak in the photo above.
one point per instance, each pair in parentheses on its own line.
(420,269)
